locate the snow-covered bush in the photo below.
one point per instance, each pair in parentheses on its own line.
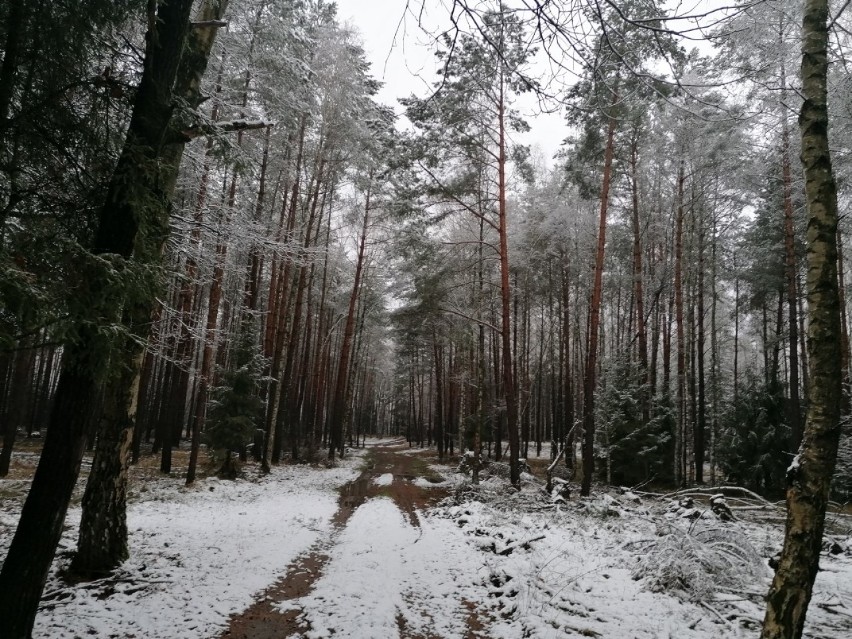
(694,563)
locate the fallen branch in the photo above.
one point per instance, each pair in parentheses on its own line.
(508,549)
(834,608)
(726,490)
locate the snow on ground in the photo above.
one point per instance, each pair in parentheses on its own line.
(611,566)
(384,480)
(573,572)
(551,577)
(615,565)
(384,572)
(197,555)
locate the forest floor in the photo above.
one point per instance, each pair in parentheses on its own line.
(390,543)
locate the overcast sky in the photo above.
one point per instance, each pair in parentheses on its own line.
(407,65)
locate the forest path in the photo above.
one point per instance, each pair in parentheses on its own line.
(378,572)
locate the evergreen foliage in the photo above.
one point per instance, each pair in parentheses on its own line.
(236,410)
(634,452)
(753,445)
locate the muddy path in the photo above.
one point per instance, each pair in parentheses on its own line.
(391,470)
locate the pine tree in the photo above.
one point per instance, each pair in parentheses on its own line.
(236,410)
(125,247)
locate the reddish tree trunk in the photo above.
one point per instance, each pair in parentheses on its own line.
(680,441)
(590,382)
(338,410)
(638,291)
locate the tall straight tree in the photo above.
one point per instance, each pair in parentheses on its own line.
(614,77)
(464,134)
(102,543)
(132,212)
(809,477)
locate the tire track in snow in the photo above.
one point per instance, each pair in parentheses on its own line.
(384,516)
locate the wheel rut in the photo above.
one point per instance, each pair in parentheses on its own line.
(276,613)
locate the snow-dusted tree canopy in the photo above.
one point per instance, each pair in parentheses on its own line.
(558,396)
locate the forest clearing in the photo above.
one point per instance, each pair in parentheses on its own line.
(392,544)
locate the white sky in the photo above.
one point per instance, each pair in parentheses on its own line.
(407,65)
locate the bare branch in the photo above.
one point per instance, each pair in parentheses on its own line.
(187,135)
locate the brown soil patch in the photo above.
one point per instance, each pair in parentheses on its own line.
(473,622)
(406,633)
(405,468)
(263,620)
(25,456)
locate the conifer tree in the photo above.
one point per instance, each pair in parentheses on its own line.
(236,409)
(125,248)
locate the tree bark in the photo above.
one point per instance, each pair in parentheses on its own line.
(844,329)
(680,442)
(85,361)
(15,30)
(590,382)
(699,443)
(279,295)
(638,291)
(289,382)
(794,416)
(809,477)
(102,542)
(439,394)
(338,409)
(505,298)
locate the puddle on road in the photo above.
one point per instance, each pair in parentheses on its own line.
(354,493)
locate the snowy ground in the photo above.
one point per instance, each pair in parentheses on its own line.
(197,555)
(485,563)
(518,566)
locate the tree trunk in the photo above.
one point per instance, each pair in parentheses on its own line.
(102,543)
(809,477)
(736,330)
(338,409)
(506,300)
(15,413)
(714,355)
(844,329)
(439,394)
(279,294)
(481,377)
(122,217)
(794,415)
(568,375)
(701,422)
(638,292)
(192,291)
(15,29)
(289,383)
(594,319)
(680,442)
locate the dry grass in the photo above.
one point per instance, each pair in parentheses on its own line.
(26,454)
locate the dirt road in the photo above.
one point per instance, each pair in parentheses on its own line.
(396,485)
